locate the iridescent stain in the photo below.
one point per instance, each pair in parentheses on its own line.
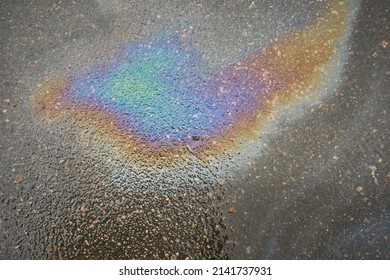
(155,99)
(157,96)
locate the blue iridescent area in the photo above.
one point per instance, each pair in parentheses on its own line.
(159,92)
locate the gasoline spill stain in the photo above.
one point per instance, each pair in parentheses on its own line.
(157,104)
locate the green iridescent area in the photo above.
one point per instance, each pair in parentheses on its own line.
(140,80)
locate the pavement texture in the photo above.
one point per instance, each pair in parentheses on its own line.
(194,130)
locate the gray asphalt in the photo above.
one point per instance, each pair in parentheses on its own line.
(319,187)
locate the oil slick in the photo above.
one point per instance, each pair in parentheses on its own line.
(159,104)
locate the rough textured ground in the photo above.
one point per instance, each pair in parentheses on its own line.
(303,174)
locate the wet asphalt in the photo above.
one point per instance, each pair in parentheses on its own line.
(319,190)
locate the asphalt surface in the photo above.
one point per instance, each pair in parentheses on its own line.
(310,181)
